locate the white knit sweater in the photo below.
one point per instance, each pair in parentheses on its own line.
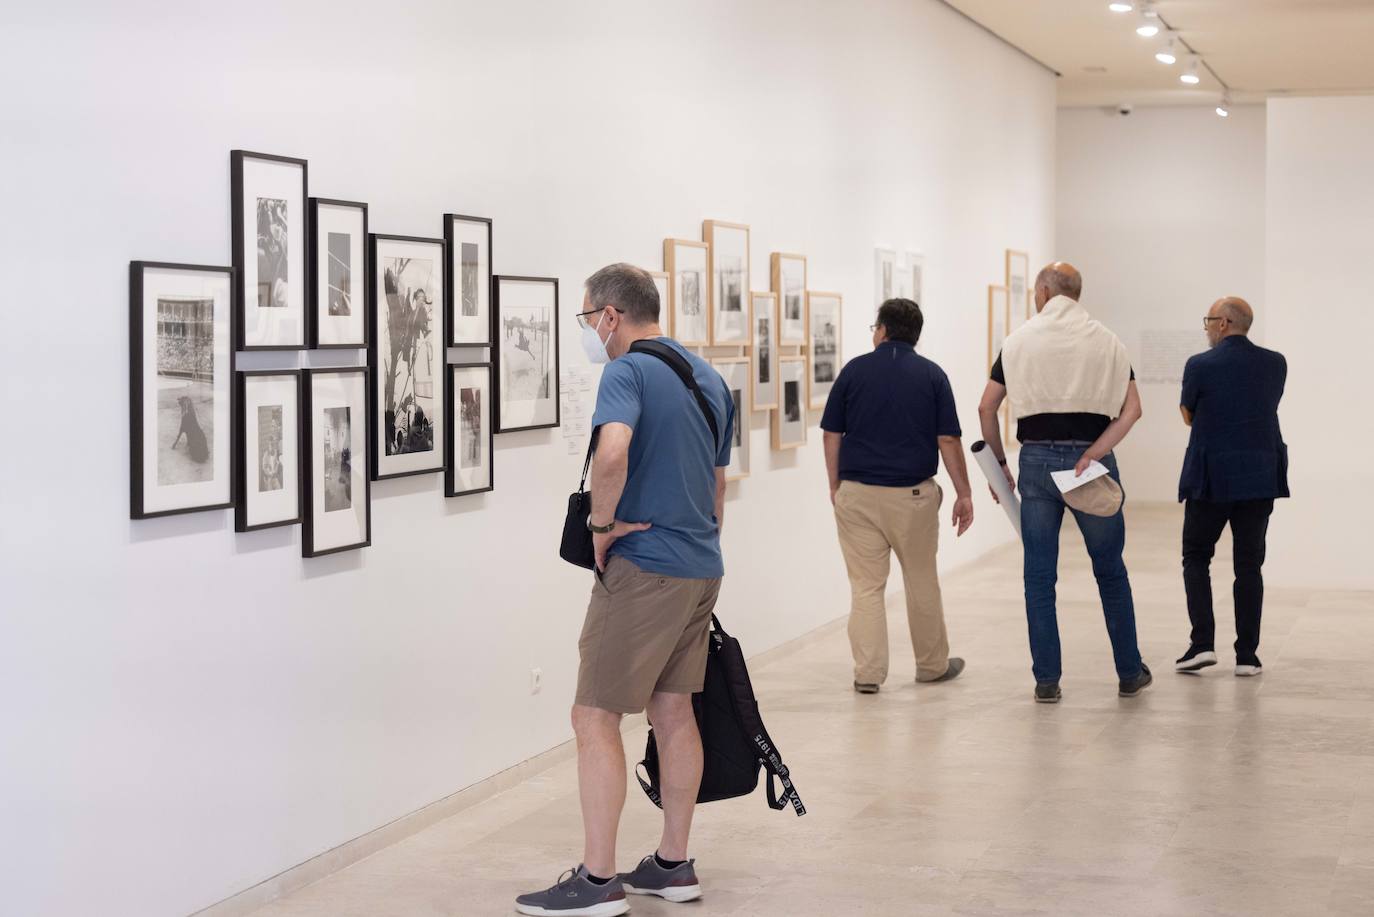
(1063,361)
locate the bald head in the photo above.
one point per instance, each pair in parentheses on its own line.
(1057,279)
(1228,316)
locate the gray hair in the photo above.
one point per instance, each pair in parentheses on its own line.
(1061,280)
(629,289)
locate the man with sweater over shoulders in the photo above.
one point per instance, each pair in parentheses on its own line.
(1074,396)
(1235,466)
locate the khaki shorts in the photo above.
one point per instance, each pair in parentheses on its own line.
(644,633)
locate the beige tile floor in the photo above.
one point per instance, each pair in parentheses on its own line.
(1206,796)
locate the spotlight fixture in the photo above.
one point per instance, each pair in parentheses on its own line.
(1191,75)
(1224,108)
(1149,21)
(1166,55)
(1120,7)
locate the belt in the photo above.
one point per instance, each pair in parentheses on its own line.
(1057,442)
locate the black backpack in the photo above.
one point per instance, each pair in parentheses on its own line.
(734,742)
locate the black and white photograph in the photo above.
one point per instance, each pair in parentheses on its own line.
(685,316)
(468,295)
(338,459)
(663,284)
(334,441)
(407,355)
(526,352)
(884,269)
(789,285)
(736,372)
(338,274)
(764,307)
(823,324)
(728,255)
(1018,289)
(267,470)
(180,343)
(789,421)
(469,468)
(268,223)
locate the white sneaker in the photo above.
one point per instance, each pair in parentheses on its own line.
(1195,662)
(1247,671)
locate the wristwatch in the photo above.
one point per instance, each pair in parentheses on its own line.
(600,529)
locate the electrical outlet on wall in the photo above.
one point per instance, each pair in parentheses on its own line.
(536,680)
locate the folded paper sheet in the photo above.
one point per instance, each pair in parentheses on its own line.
(998,481)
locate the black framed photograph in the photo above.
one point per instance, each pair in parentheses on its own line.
(268,225)
(267,470)
(525,326)
(468,293)
(406,353)
(336,315)
(468,465)
(181,393)
(334,436)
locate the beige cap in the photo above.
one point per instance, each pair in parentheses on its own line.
(1099,497)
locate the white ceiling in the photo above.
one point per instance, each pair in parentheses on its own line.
(1258,48)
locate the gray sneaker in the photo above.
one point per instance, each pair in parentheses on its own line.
(574,895)
(677,884)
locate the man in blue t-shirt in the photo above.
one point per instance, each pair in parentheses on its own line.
(889,418)
(658,499)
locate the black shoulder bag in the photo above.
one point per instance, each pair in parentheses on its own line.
(577,538)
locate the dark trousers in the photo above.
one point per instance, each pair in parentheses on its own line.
(1203,523)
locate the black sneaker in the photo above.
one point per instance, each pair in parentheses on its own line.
(1195,660)
(574,895)
(1133,686)
(865,687)
(1048,693)
(1246,668)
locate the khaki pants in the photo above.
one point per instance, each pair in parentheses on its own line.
(874,523)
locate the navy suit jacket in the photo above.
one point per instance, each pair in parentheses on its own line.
(1236,451)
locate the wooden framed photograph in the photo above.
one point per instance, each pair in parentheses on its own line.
(736,372)
(789,421)
(406,355)
(910,278)
(334,436)
(663,284)
(468,292)
(727,255)
(885,280)
(823,350)
(1018,288)
(468,465)
(268,223)
(525,316)
(267,468)
(687,265)
(789,285)
(336,316)
(181,392)
(999,323)
(763,311)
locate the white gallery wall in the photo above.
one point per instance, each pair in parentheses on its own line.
(188,711)
(1163,211)
(1320,202)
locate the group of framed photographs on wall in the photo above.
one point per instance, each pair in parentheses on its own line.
(705,289)
(288,446)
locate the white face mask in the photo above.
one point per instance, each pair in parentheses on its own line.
(592,345)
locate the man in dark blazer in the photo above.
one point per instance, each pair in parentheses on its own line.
(1235,467)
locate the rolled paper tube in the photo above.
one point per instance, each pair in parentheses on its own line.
(998,482)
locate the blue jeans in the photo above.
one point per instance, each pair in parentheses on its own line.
(1042,514)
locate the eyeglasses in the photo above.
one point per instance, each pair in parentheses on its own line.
(582,316)
(875,327)
(1208,319)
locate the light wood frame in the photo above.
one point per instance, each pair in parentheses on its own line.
(708,235)
(1011,255)
(994,291)
(742,416)
(811,397)
(670,268)
(778,445)
(775,266)
(768,302)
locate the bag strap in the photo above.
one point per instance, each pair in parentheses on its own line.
(776,769)
(678,364)
(648,790)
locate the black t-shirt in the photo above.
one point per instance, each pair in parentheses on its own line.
(1057,427)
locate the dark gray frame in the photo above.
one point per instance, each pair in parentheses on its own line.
(496,352)
(240,457)
(451,434)
(236,224)
(312,313)
(307,461)
(449,284)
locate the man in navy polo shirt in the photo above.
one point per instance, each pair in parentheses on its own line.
(889,418)
(1235,466)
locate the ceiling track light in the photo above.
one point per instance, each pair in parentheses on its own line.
(1224,108)
(1167,54)
(1120,7)
(1148,27)
(1191,75)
